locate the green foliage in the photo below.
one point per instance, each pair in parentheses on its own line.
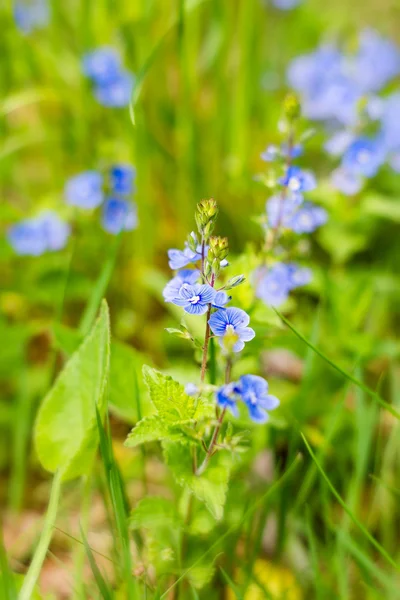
(210,487)
(126,396)
(153,512)
(66,435)
(176,411)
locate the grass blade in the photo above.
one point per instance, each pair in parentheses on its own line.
(348,376)
(371,539)
(100,581)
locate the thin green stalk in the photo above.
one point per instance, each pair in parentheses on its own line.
(33,573)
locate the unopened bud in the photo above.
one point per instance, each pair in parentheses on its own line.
(206,215)
(291,107)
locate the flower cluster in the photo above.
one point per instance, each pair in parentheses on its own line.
(31,15)
(87,190)
(253,391)
(90,189)
(343,91)
(113,84)
(44,233)
(287,211)
(195,289)
(275,283)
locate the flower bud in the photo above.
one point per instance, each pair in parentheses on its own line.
(206,215)
(291,107)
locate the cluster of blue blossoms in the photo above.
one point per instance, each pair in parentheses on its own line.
(194,290)
(344,92)
(31,15)
(287,210)
(113,84)
(47,232)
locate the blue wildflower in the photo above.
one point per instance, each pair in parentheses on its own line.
(102,65)
(307,218)
(293,151)
(270,154)
(298,181)
(376,62)
(85,190)
(191,389)
(181,258)
(231,327)
(227,399)
(253,391)
(119,215)
(286,4)
(364,157)
(32,15)
(346,181)
(390,122)
(122,178)
(33,237)
(221,299)
(275,284)
(280,209)
(195,298)
(174,286)
(339,142)
(115,93)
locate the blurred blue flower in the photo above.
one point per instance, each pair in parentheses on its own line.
(364,157)
(31,15)
(347,182)
(390,122)
(339,142)
(286,4)
(191,389)
(293,151)
(298,181)
(119,215)
(231,327)
(173,287)
(376,62)
(102,65)
(46,232)
(194,299)
(227,399)
(307,218)
(253,391)
(116,93)
(85,190)
(122,178)
(181,258)
(270,154)
(280,208)
(274,284)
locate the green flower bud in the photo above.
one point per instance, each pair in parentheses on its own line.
(206,215)
(291,107)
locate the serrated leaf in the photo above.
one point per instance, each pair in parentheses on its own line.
(154,512)
(210,487)
(169,398)
(152,429)
(66,435)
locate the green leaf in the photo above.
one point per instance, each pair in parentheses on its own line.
(151,429)
(154,512)
(170,399)
(66,434)
(126,392)
(210,487)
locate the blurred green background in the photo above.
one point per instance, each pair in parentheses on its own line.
(211,80)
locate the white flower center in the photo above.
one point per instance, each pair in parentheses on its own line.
(294,184)
(194,299)
(363,156)
(252,398)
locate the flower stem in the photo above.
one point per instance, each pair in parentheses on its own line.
(206,339)
(218,426)
(40,553)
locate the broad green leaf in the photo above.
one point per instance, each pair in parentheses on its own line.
(151,429)
(126,392)
(66,435)
(170,399)
(154,512)
(210,487)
